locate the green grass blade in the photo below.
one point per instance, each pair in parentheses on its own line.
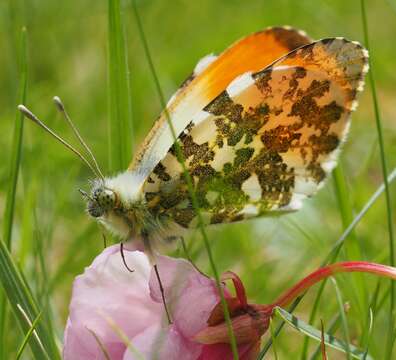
(372,311)
(16,146)
(343,319)
(316,334)
(342,195)
(385,177)
(273,337)
(20,297)
(120,108)
(123,337)
(102,347)
(27,336)
(15,162)
(370,329)
(191,191)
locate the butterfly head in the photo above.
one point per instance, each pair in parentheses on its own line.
(116,203)
(101,201)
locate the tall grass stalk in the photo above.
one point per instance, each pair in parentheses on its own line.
(378,122)
(15,163)
(120,108)
(188,179)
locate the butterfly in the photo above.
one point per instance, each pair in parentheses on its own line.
(259,127)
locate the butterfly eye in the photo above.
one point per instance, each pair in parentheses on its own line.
(94,209)
(105,198)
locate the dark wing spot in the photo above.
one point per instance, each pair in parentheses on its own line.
(290,38)
(262,79)
(160,171)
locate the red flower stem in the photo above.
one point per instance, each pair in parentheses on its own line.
(326,271)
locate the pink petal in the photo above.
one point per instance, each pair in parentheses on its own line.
(163,343)
(107,289)
(190,295)
(79,346)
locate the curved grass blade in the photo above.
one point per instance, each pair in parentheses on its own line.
(16,151)
(378,124)
(20,297)
(316,334)
(120,108)
(373,308)
(191,191)
(28,335)
(102,347)
(123,337)
(16,146)
(370,329)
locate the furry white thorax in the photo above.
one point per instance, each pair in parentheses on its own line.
(128,187)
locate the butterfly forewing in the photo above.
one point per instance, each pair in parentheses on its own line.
(267,141)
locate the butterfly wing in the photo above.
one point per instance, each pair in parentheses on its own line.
(267,141)
(210,77)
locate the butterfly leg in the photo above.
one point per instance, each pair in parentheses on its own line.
(123,257)
(147,245)
(189,258)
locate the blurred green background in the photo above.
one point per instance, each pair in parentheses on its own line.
(53,238)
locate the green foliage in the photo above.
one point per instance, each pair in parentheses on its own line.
(88,67)
(329,340)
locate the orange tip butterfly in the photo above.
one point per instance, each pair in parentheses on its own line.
(259,126)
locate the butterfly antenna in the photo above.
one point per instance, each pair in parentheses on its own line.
(85,194)
(27,113)
(59,105)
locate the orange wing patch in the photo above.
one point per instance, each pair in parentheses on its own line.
(252,53)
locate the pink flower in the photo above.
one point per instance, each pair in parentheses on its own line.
(109,304)
(132,302)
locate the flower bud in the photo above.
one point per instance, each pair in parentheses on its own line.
(247,327)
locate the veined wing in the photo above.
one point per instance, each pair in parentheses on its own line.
(211,76)
(267,141)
